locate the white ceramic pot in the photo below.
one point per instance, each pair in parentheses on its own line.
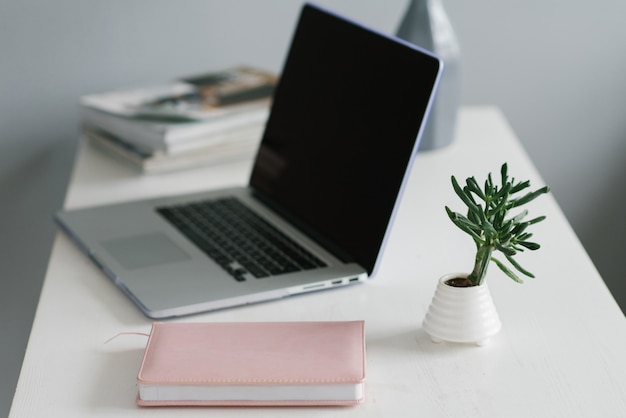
(461,314)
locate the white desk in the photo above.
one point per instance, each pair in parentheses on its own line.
(562,350)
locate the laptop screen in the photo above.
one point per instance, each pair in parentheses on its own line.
(342,131)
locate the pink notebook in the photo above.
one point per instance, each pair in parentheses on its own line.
(253,363)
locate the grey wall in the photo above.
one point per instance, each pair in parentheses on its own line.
(556,68)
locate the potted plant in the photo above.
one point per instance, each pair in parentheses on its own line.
(462,309)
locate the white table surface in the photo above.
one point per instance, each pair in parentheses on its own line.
(561,352)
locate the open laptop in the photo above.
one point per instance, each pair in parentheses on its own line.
(342,133)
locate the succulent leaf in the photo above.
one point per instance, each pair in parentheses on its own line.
(506,270)
(530,245)
(459,191)
(518,267)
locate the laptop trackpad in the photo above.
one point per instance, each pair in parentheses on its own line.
(145,251)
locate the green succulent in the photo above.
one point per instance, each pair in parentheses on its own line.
(490,226)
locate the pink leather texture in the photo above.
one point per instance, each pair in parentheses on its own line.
(254,353)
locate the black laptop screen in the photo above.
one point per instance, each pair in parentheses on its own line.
(342,131)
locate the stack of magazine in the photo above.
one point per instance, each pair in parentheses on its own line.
(210,118)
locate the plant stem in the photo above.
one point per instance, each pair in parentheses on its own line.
(483,257)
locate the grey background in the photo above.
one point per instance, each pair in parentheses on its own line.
(555,67)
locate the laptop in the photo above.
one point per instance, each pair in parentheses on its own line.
(343,131)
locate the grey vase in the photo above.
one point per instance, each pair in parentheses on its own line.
(426,24)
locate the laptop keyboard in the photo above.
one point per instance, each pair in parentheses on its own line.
(240,241)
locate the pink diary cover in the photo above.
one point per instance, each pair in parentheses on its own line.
(253,363)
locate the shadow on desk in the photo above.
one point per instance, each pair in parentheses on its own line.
(115,386)
(417,342)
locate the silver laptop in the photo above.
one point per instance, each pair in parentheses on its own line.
(343,131)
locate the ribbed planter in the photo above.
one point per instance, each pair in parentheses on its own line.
(461,314)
